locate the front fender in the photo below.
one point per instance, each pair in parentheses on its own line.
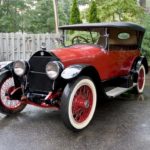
(5,65)
(73,71)
(4,74)
(5,69)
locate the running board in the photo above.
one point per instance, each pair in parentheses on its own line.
(118,91)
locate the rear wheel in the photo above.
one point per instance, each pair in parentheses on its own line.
(7,105)
(78,103)
(141,80)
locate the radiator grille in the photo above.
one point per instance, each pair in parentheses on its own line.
(37,78)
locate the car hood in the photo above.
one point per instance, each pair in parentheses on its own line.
(77,53)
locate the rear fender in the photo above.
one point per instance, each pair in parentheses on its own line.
(138,62)
(136,65)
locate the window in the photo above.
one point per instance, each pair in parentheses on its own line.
(123,36)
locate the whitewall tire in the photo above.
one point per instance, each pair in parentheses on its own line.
(78,103)
(141,80)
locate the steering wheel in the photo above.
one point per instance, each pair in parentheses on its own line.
(77,39)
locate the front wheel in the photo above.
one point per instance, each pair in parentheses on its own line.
(7,105)
(78,103)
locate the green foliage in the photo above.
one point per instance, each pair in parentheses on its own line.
(75,13)
(92,17)
(90,37)
(84,2)
(64,11)
(146,41)
(35,16)
(10,15)
(40,19)
(119,10)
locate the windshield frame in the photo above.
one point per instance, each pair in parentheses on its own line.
(105,35)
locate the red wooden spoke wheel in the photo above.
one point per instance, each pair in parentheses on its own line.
(141,79)
(78,103)
(82,103)
(8,105)
(6,89)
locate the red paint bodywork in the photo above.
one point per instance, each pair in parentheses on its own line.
(108,63)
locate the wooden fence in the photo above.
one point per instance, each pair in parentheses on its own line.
(16,46)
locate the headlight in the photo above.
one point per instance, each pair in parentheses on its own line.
(52,70)
(19,68)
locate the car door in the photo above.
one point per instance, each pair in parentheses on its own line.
(108,63)
(129,56)
(123,50)
(115,63)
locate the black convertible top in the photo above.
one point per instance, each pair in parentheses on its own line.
(128,25)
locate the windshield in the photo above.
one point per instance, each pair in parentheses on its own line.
(73,37)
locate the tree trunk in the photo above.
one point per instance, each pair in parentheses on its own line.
(142,3)
(55,3)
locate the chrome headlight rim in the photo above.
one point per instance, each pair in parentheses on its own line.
(23,63)
(57,65)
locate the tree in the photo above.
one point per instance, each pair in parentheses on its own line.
(55,3)
(64,11)
(119,10)
(146,41)
(75,13)
(10,15)
(41,18)
(35,16)
(142,3)
(83,2)
(92,17)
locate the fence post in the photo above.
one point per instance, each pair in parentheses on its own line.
(6,50)
(21,45)
(12,45)
(18,46)
(38,42)
(33,43)
(24,45)
(1,47)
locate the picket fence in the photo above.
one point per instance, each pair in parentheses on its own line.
(20,46)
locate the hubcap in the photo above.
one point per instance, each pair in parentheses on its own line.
(141,78)
(82,103)
(6,88)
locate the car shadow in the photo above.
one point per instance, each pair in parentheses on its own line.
(105,108)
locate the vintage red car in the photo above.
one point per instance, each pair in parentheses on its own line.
(102,59)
